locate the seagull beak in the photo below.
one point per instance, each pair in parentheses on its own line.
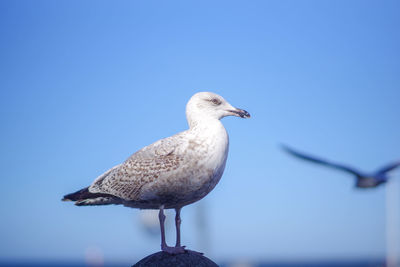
(240,113)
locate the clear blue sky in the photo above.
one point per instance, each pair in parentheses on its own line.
(84,84)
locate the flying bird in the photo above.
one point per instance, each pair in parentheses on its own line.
(363,180)
(172,172)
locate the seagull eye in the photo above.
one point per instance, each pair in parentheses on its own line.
(216,101)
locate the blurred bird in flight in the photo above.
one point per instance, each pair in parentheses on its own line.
(363,180)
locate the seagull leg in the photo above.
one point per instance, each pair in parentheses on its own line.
(161,217)
(178,231)
(178,226)
(164,247)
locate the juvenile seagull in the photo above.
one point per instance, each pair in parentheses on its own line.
(172,172)
(363,180)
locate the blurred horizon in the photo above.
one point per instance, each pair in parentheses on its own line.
(280,263)
(86,84)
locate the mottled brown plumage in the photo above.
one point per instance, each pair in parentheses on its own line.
(172,172)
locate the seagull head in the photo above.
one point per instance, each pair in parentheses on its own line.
(210,105)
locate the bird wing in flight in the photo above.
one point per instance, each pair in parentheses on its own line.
(321,161)
(388,167)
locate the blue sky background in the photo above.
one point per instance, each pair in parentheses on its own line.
(84,84)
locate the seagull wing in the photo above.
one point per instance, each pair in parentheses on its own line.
(145,166)
(321,161)
(388,167)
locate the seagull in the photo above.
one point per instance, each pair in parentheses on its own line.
(172,172)
(363,180)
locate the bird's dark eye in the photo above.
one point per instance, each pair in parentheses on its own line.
(216,101)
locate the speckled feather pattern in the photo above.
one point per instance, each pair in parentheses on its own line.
(172,172)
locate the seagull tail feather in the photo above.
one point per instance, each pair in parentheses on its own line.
(77,195)
(84,198)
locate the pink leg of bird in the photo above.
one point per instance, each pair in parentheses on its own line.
(164,247)
(178,226)
(178,231)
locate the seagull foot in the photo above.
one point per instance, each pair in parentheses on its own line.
(194,252)
(173,250)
